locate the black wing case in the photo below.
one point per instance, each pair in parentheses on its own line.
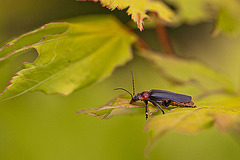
(160,95)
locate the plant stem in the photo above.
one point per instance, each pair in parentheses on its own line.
(141,44)
(163,36)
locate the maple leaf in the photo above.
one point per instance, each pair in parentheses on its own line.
(137,9)
(72,55)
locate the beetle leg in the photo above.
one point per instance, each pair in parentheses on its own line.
(156,104)
(146,107)
(166,103)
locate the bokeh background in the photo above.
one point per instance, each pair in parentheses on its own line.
(36,126)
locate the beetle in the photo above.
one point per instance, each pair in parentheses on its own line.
(160,98)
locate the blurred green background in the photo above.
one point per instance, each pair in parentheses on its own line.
(36,126)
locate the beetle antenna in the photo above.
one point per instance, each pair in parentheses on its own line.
(125,90)
(133,83)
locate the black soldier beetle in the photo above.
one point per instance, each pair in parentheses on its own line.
(160,98)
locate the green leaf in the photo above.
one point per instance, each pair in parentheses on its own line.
(217,104)
(192,12)
(138,9)
(25,41)
(197,11)
(188,72)
(118,106)
(220,111)
(228,20)
(72,55)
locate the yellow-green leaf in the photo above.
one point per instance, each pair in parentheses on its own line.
(188,72)
(220,111)
(192,12)
(137,9)
(225,12)
(72,55)
(217,104)
(228,20)
(120,106)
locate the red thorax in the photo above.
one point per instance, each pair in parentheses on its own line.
(144,96)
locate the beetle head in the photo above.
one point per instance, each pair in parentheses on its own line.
(135,98)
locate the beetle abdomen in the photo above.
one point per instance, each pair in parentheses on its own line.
(162,95)
(187,104)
